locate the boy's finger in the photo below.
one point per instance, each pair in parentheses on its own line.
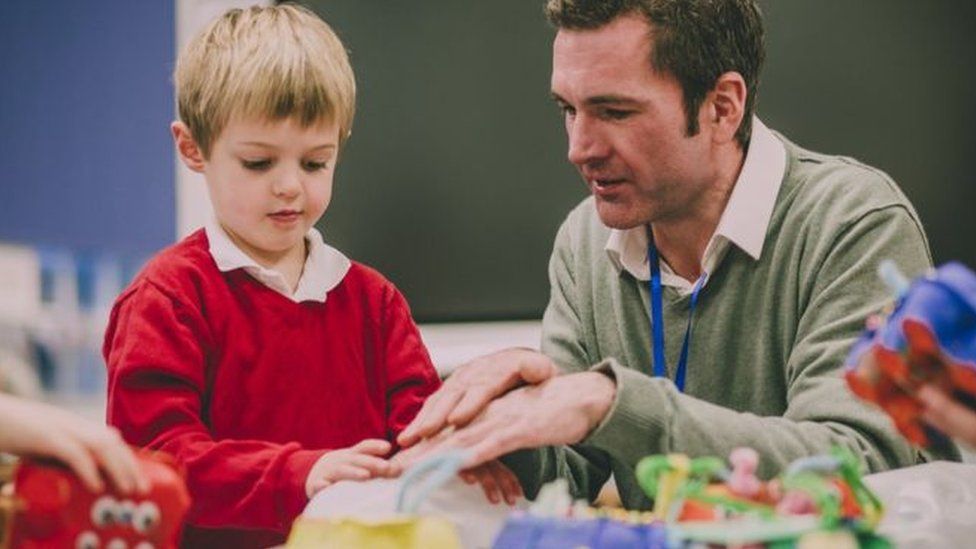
(373,446)
(488,483)
(348,471)
(509,483)
(373,464)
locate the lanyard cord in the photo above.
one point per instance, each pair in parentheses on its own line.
(659,367)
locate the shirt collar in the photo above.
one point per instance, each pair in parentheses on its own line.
(743,223)
(324,269)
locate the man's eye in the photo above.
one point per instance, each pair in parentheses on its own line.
(566,110)
(256,165)
(314,166)
(616,114)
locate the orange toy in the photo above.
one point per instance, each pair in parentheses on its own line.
(928,338)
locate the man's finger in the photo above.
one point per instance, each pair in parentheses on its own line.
(492,447)
(474,401)
(535,372)
(431,419)
(409,433)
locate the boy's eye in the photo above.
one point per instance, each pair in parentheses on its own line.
(314,165)
(256,165)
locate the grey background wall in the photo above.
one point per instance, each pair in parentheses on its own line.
(455,179)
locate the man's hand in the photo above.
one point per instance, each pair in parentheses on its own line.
(562,410)
(360,462)
(497,481)
(469,389)
(88,448)
(947,415)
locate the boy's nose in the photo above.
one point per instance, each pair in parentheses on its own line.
(287,184)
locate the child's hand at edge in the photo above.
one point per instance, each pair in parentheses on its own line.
(91,450)
(946,414)
(497,481)
(360,462)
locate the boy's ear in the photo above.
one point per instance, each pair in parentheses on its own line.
(186,146)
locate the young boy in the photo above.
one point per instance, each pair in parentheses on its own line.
(264,360)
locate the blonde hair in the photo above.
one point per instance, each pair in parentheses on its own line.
(264,62)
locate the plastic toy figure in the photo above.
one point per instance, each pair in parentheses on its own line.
(52,508)
(555,520)
(928,338)
(701,500)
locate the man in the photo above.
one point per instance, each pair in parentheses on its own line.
(707,293)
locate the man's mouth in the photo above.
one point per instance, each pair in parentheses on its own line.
(604,183)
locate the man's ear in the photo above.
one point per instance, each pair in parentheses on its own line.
(186,146)
(726,106)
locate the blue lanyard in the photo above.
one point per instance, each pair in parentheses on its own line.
(657,317)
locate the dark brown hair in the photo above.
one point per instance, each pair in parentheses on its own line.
(696,41)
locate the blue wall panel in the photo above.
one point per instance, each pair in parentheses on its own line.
(86,160)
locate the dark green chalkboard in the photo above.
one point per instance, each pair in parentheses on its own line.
(455,179)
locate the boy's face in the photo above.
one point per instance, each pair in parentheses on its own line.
(269,182)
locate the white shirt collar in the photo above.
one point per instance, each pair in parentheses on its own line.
(743,223)
(324,269)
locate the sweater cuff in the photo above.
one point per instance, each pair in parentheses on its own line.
(292,485)
(637,422)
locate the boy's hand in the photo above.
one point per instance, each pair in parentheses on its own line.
(90,449)
(360,462)
(496,480)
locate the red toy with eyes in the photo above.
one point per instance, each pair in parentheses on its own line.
(53,509)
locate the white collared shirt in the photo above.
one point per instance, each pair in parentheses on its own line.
(743,223)
(324,269)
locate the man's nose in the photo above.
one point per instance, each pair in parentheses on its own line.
(586,145)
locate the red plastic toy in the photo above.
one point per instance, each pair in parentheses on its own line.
(929,337)
(53,509)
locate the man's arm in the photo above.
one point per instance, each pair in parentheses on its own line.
(586,468)
(643,416)
(820,411)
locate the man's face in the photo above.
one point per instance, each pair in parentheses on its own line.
(270,182)
(626,125)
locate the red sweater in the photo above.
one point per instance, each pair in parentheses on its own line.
(247,389)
